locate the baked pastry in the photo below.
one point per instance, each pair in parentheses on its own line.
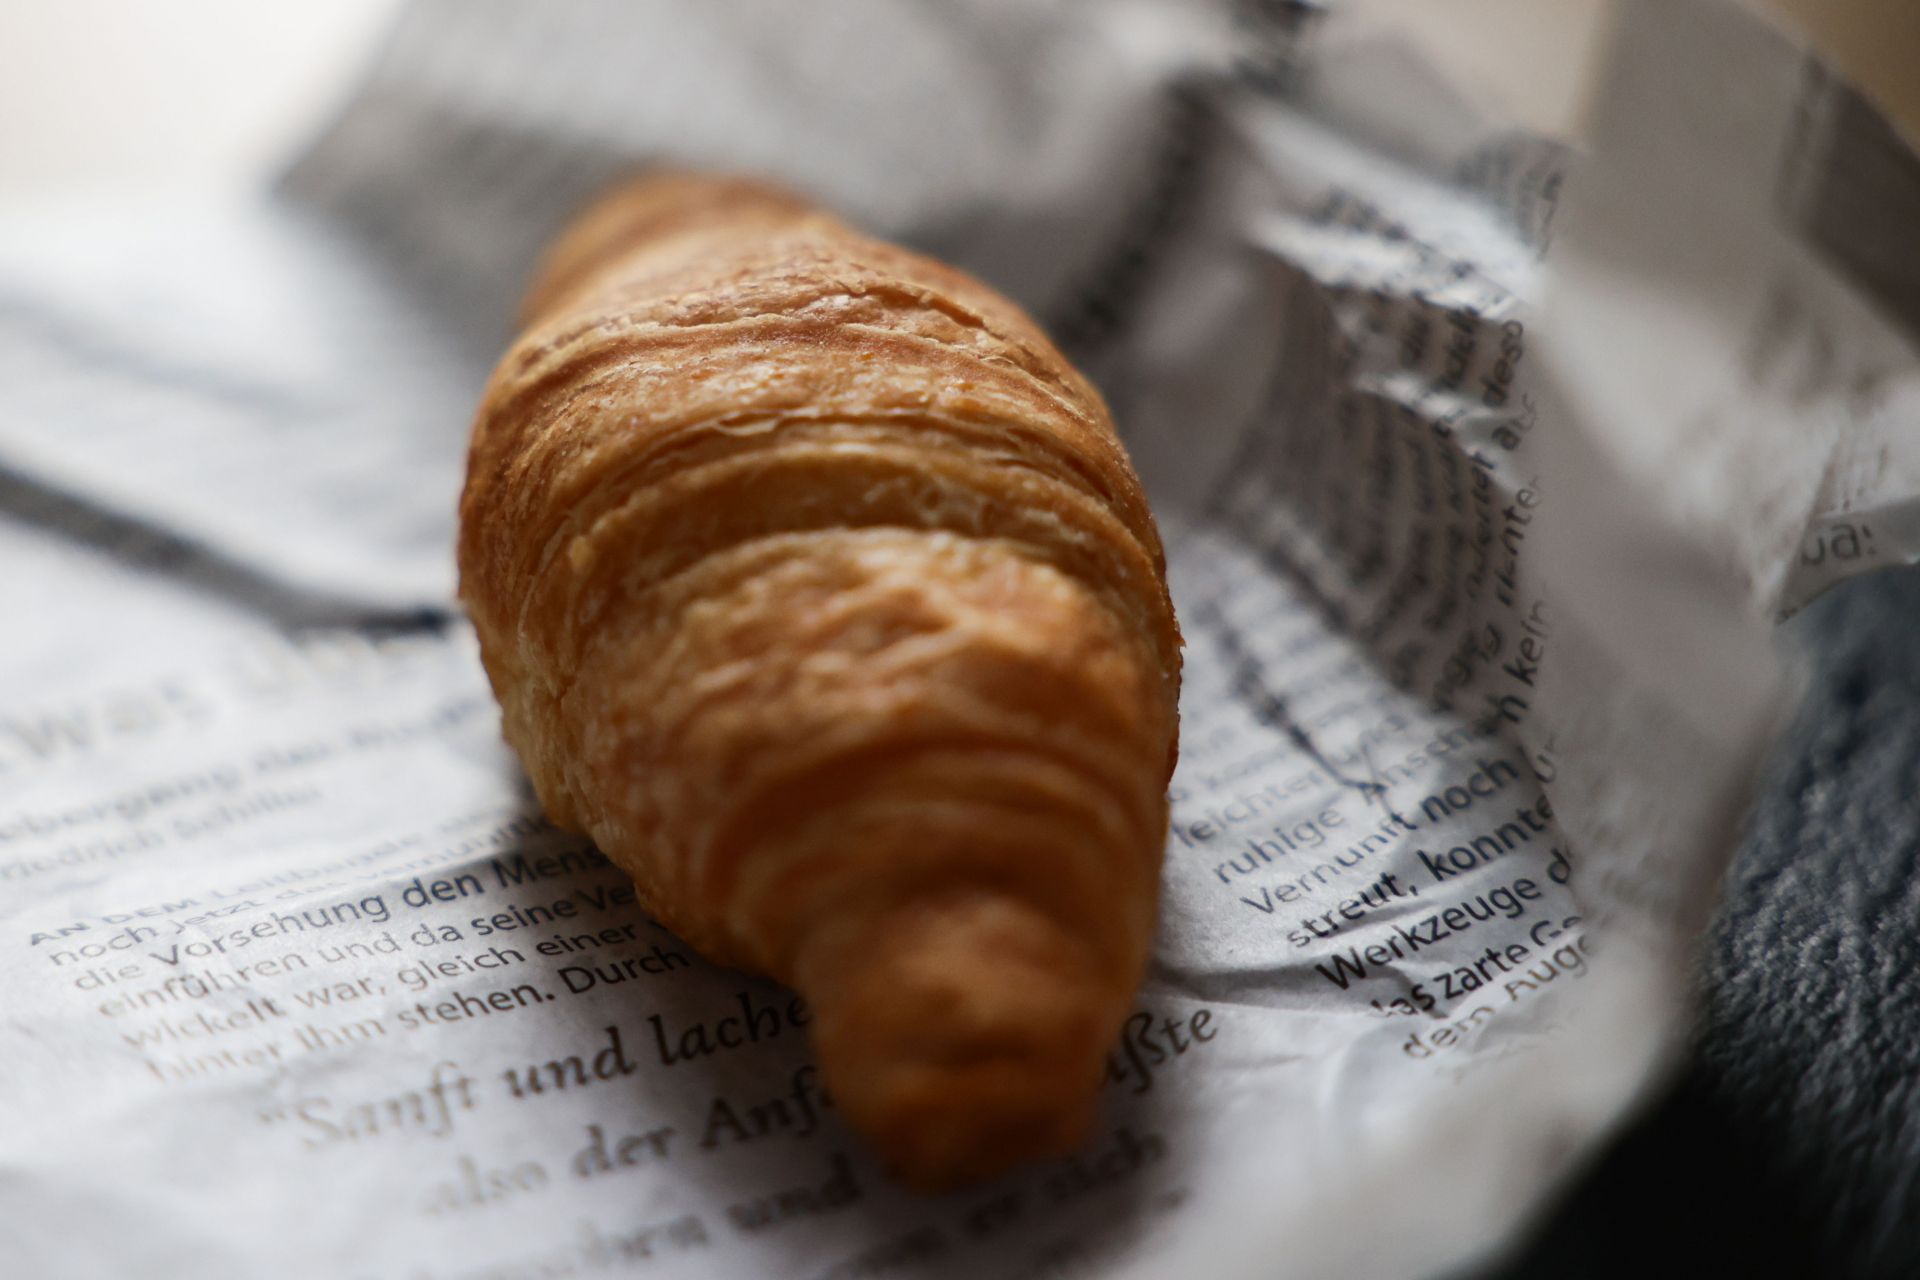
(816,588)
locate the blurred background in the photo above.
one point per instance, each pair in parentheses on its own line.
(211,93)
(201,93)
(207,94)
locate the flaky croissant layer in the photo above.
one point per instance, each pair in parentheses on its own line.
(816,589)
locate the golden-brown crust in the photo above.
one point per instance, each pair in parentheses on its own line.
(817,589)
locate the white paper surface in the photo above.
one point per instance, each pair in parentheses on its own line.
(1482,469)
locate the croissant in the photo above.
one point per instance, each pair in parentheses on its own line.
(816,588)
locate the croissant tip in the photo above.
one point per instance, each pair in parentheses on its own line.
(960,1140)
(967,1038)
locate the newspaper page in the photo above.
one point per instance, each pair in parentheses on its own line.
(1472,547)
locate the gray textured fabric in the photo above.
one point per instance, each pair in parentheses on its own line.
(1790,1144)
